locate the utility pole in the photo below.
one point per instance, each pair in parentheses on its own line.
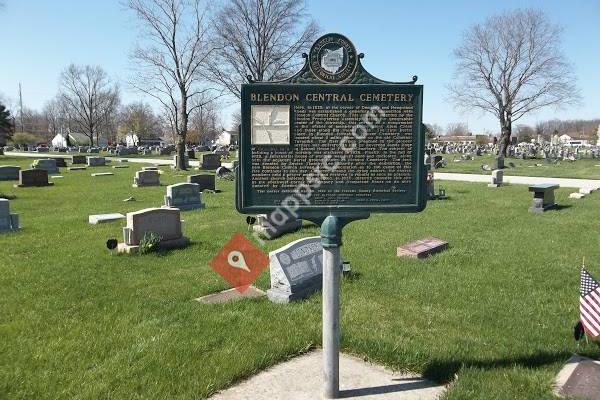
(21,108)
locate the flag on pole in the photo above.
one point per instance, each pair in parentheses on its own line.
(589,304)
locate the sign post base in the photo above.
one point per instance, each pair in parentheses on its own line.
(331,239)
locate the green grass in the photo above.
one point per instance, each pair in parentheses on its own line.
(585,168)
(494,314)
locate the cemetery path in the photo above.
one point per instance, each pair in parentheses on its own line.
(520,180)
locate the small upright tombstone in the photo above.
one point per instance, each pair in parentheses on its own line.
(165,222)
(60,162)
(269,229)
(8,222)
(206,182)
(146,178)
(9,172)
(296,270)
(184,196)
(186,161)
(96,161)
(78,160)
(497,178)
(498,163)
(33,178)
(210,161)
(48,164)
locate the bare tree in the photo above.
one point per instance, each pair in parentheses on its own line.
(458,129)
(89,96)
(139,118)
(207,124)
(259,40)
(510,66)
(171,63)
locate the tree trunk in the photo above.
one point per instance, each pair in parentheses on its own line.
(182,134)
(504,142)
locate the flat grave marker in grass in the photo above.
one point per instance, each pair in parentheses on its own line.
(102,218)
(232,294)
(102,174)
(422,248)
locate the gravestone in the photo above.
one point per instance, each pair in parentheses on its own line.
(146,178)
(206,182)
(96,161)
(102,218)
(430,184)
(9,172)
(497,178)
(498,163)
(186,161)
(210,161)
(78,160)
(150,168)
(437,161)
(33,178)
(191,154)
(8,222)
(184,196)
(60,162)
(269,229)
(165,222)
(223,172)
(47,164)
(1,151)
(77,168)
(543,197)
(422,248)
(103,174)
(120,166)
(296,270)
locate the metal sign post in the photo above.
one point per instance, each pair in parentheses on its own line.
(331,144)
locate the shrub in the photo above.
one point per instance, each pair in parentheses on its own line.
(150,243)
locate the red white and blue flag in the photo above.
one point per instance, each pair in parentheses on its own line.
(589,304)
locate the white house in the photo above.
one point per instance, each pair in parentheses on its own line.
(131,140)
(573,141)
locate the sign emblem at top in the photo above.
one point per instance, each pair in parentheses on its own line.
(333,58)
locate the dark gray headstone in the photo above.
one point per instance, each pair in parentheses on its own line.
(206,182)
(33,177)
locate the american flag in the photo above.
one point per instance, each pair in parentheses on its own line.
(589,304)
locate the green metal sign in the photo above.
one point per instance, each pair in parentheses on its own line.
(332,139)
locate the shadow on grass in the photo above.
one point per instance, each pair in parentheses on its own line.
(444,370)
(561,207)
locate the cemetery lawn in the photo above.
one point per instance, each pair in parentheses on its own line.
(493,314)
(583,169)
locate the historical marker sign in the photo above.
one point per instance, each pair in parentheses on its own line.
(332,138)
